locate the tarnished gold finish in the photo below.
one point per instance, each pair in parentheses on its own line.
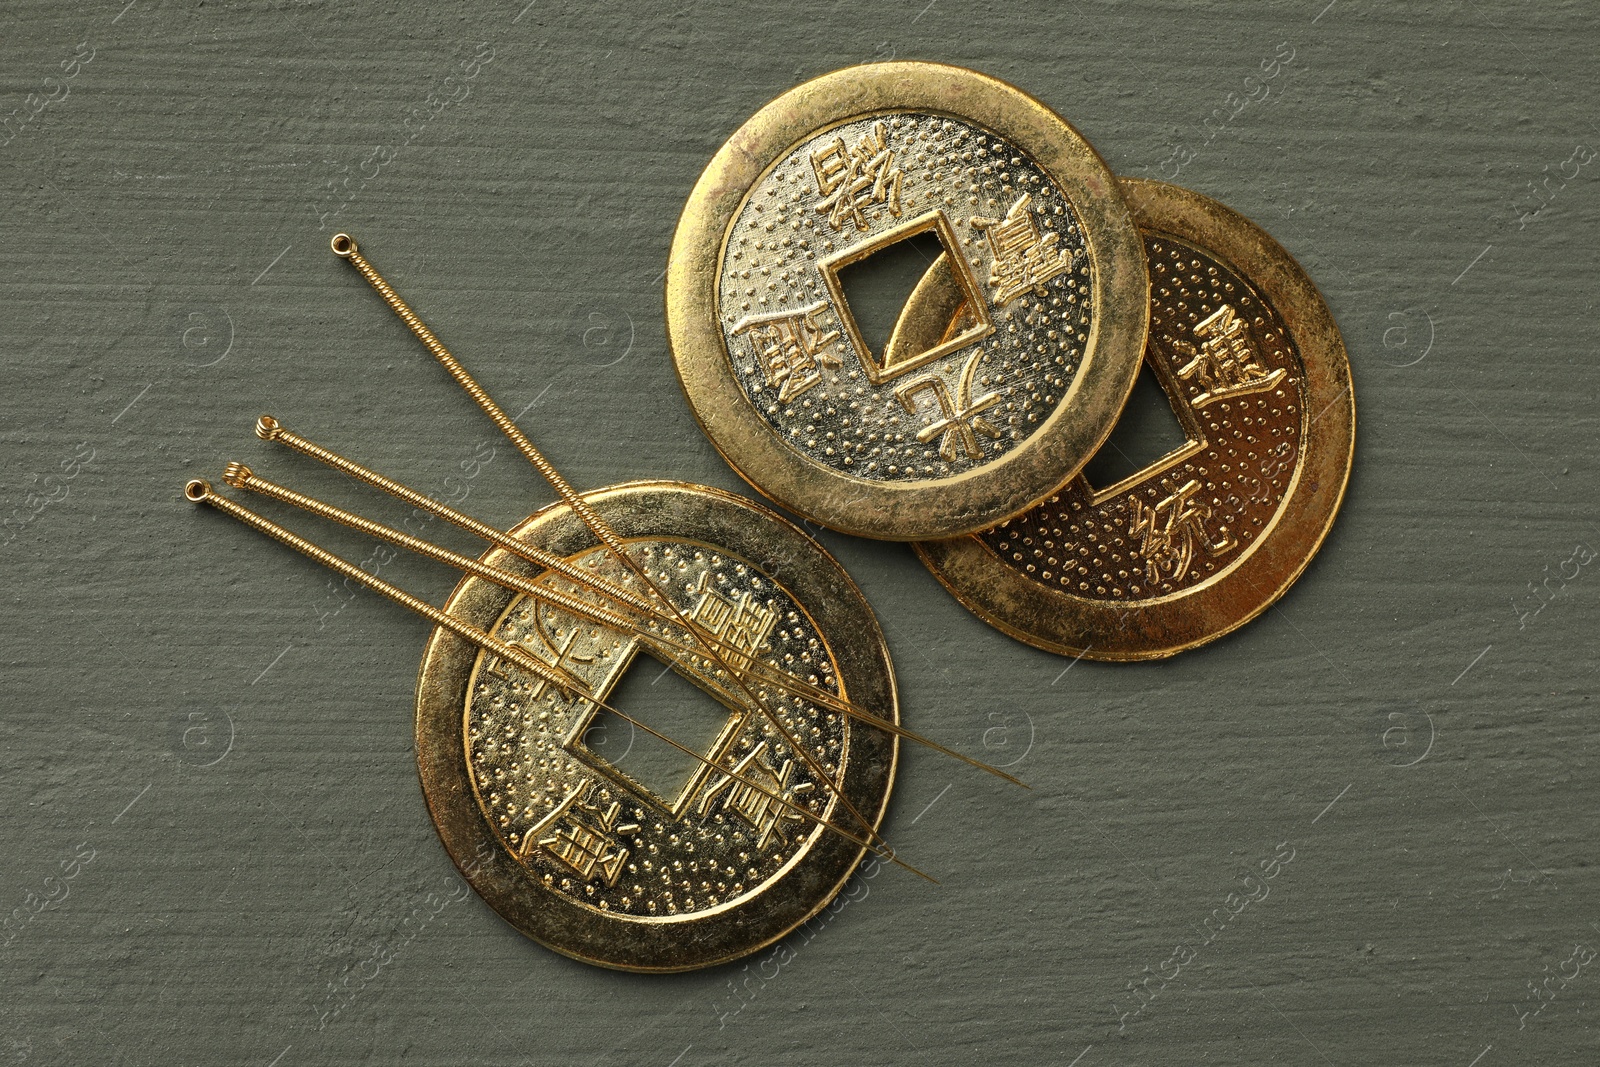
(1208,536)
(914,441)
(629,874)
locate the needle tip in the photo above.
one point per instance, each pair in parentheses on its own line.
(237,474)
(343,245)
(267,427)
(197,490)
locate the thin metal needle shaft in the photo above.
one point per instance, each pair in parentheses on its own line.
(269,429)
(345,247)
(201,493)
(242,477)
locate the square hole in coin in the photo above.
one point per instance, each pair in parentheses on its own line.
(913,265)
(664,700)
(1147,434)
(876,288)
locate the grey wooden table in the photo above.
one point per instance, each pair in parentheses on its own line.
(215,848)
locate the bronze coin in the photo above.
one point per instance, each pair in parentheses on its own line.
(574,843)
(894,440)
(1209,535)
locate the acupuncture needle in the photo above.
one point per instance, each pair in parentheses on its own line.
(270,429)
(344,246)
(200,492)
(240,476)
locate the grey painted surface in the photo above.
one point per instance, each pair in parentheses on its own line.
(264,878)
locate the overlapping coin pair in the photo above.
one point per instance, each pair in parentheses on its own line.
(967,431)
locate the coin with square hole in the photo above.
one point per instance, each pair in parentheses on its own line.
(1222,478)
(613,844)
(799,250)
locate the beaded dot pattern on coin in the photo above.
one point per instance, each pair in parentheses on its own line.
(1207,536)
(1224,358)
(803,363)
(586,827)
(697,854)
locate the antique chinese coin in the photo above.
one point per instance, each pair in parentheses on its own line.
(546,801)
(1014,214)
(1206,537)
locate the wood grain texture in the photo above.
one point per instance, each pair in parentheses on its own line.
(229,736)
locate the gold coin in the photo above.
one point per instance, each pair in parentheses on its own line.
(892,440)
(1208,536)
(672,864)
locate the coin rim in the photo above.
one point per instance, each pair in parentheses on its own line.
(975,499)
(1059,622)
(808,882)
